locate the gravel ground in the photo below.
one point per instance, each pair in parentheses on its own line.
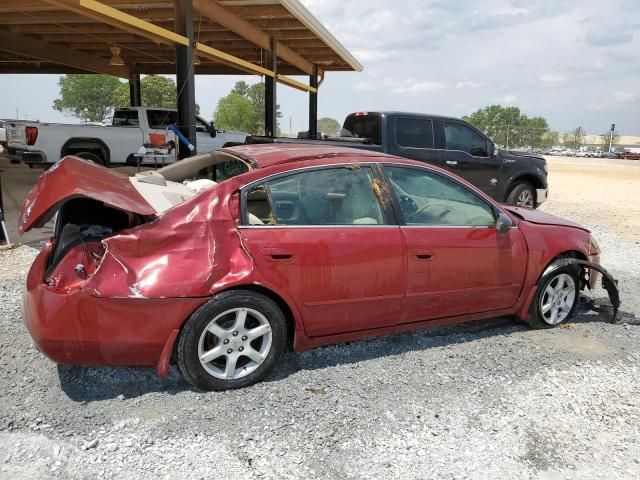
(485,400)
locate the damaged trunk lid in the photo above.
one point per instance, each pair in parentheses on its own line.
(73,178)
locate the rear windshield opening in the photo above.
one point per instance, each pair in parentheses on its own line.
(363,126)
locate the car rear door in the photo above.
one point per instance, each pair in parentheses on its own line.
(468,153)
(457,262)
(325,238)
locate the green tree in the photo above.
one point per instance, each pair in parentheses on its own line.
(604,138)
(88,97)
(509,127)
(329,126)
(576,137)
(157,91)
(254,94)
(234,112)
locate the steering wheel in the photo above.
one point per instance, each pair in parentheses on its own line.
(407,205)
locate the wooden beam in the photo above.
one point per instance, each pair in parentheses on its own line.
(112,16)
(30,47)
(296,84)
(37,67)
(219,14)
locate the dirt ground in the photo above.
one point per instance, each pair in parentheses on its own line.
(605,191)
(491,399)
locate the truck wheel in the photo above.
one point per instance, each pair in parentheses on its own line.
(92,157)
(523,195)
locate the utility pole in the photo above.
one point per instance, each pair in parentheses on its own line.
(507,147)
(613,127)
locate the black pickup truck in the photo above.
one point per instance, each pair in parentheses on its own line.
(507,176)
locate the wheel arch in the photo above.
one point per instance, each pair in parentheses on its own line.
(528,177)
(287,311)
(561,256)
(87,143)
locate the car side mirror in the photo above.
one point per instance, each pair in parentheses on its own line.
(503,222)
(478,152)
(212,130)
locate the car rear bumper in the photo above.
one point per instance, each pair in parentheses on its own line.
(27,156)
(82,329)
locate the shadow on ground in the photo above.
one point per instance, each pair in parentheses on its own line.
(87,384)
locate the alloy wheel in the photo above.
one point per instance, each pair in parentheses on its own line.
(235,343)
(558,298)
(525,199)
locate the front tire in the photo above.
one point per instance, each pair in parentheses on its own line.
(522,195)
(232,341)
(556,299)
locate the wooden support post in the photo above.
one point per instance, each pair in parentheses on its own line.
(135,92)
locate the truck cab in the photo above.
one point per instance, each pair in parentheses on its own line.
(453,144)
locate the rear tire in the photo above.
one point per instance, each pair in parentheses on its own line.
(92,157)
(556,299)
(522,195)
(232,341)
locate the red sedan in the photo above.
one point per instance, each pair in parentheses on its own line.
(216,263)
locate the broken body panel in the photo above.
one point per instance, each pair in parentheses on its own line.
(120,297)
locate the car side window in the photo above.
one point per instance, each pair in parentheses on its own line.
(201,126)
(430,199)
(462,137)
(160,119)
(414,133)
(333,196)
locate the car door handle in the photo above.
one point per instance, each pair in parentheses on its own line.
(276,254)
(422,255)
(451,162)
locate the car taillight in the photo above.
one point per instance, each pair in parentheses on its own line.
(31,134)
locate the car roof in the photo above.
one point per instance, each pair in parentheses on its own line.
(270,154)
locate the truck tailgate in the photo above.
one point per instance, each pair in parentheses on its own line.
(15,134)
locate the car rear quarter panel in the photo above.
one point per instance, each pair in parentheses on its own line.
(80,328)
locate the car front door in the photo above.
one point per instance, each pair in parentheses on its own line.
(469,154)
(457,262)
(328,239)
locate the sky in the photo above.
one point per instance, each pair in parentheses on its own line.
(572,62)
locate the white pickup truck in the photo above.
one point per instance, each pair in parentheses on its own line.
(39,143)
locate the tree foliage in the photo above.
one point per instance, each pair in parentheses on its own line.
(574,139)
(88,97)
(234,112)
(92,98)
(509,127)
(156,91)
(250,121)
(604,138)
(329,126)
